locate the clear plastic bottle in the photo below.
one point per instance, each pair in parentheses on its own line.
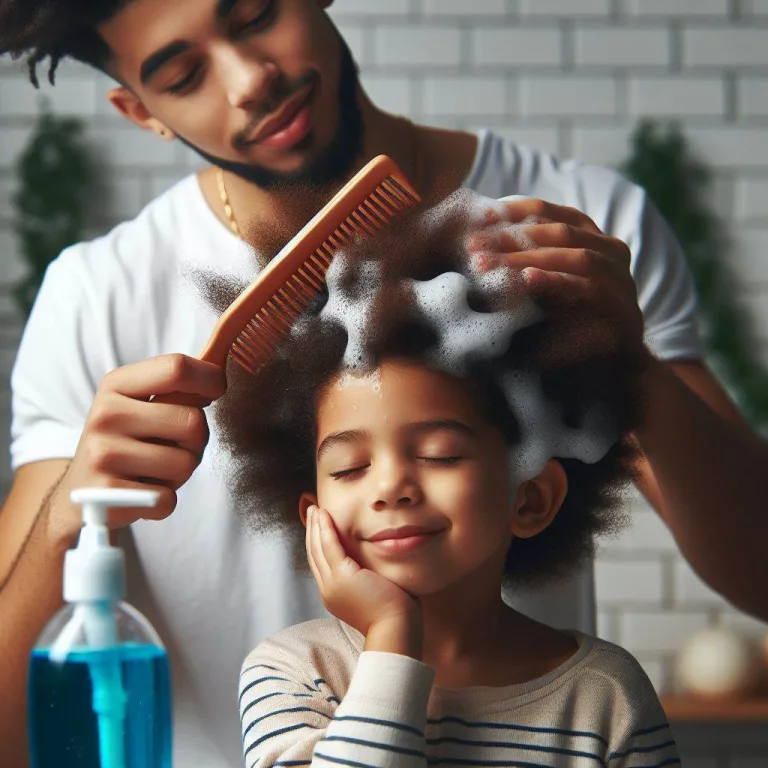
(99,680)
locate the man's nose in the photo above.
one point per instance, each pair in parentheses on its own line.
(247,78)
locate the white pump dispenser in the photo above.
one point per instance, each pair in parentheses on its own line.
(95,570)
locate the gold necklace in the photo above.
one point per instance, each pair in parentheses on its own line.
(225,202)
(230,214)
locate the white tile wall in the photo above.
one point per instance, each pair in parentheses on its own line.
(571,76)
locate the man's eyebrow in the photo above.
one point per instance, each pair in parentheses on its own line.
(435,425)
(159,58)
(341,438)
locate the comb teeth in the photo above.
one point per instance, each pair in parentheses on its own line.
(263,334)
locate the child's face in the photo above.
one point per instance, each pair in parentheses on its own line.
(415,479)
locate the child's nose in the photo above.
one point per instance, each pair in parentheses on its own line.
(396,487)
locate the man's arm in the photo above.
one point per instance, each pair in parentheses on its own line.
(704,472)
(31,563)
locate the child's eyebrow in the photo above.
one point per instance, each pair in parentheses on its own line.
(451,425)
(342,438)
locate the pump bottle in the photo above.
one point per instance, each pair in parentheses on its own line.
(99,680)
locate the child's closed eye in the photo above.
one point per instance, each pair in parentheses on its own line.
(349,474)
(441,461)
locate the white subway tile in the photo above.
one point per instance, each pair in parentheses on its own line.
(748,257)
(68,97)
(646,534)
(671,96)
(12,265)
(603,145)
(568,96)
(517,46)
(355,37)
(606,626)
(752,95)
(130,148)
(655,669)
(390,93)
(659,631)
(731,146)
(623,47)
(752,200)
(475,9)
(8,187)
(465,96)
(690,589)
(725,46)
(756,307)
(119,198)
(417,46)
(375,8)
(12,142)
(565,8)
(754,8)
(683,9)
(627,582)
(747,625)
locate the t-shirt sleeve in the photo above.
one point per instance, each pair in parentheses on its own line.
(665,287)
(58,366)
(290,715)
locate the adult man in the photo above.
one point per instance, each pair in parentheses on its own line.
(267,91)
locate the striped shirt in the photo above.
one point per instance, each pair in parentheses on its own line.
(310,696)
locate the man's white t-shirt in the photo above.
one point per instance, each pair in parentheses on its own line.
(212,589)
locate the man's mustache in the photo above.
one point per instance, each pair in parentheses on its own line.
(282,91)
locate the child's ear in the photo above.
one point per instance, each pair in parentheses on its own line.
(539,500)
(305,502)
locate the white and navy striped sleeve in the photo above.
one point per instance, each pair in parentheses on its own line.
(290,716)
(648,741)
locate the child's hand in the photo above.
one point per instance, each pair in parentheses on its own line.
(386,614)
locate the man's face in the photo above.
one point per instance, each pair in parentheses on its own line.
(264,88)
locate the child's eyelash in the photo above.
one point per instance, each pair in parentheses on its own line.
(436,460)
(347,472)
(441,459)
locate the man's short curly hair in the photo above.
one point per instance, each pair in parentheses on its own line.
(55,29)
(267,421)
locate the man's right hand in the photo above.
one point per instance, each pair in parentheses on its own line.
(128,441)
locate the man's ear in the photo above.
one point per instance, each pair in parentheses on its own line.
(305,502)
(130,106)
(539,500)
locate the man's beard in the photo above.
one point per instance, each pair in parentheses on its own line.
(334,164)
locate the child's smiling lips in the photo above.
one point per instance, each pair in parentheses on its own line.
(404,539)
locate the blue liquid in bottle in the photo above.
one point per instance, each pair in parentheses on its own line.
(64,729)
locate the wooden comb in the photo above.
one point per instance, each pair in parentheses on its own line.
(253,325)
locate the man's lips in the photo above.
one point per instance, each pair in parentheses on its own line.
(280,119)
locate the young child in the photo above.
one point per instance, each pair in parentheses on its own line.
(438,433)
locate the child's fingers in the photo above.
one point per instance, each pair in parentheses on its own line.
(308,545)
(316,547)
(329,541)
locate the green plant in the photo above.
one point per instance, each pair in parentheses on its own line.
(663,164)
(54,174)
